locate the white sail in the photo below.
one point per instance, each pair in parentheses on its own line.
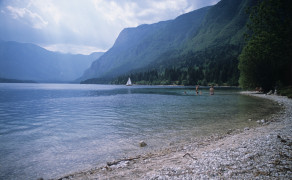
(129,83)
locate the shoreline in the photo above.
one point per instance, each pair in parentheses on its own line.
(260,152)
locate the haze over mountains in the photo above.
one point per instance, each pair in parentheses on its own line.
(211,31)
(204,43)
(23,61)
(140,46)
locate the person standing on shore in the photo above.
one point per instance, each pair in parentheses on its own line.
(212,90)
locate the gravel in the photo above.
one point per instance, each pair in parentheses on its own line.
(264,153)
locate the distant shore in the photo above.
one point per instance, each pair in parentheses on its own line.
(262,152)
(4,80)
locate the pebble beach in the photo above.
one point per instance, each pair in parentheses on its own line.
(261,152)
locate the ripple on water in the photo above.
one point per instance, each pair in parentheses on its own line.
(50,130)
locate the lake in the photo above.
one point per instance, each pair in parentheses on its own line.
(48,130)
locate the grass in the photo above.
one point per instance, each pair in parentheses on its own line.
(286,91)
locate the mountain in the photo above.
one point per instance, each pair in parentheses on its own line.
(211,55)
(140,46)
(225,23)
(24,61)
(205,43)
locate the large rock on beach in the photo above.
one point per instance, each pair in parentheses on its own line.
(142,144)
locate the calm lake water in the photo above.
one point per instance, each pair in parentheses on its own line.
(48,130)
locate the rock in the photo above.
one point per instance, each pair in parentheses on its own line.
(229,131)
(246,129)
(142,144)
(262,121)
(270,92)
(249,119)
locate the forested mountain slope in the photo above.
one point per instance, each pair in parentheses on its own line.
(141,46)
(196,48)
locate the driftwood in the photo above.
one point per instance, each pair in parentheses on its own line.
(121,160)
(188,154)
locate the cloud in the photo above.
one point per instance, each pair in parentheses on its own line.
(168,5)
(84,23)
(69,48)
(33,19)
(122,14)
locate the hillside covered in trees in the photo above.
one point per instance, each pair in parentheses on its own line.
(209,57)
(242,42)
(138,47)
(193,68)
(266,59)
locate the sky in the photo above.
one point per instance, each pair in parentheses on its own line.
(83,26)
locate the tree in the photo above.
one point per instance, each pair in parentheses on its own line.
(265,61)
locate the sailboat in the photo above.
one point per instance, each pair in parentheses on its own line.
(129,83)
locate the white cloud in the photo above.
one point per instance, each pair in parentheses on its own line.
(130,13)
(117,13)
(69,48)
(168,5)
(16,12)
(92,23)
(33,19)
(48,8)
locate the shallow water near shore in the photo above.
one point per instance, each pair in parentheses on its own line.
(48,130)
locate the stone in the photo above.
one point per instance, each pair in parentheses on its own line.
(229,131)
(142,144)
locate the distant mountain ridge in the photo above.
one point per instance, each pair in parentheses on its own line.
(140,46)
(25,61)
(176,42)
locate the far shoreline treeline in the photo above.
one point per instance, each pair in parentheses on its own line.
(4,80)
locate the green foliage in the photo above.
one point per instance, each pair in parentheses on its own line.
(286,91)
(216,65)
(225,23)
(210,56)
(200,47)
(265,61)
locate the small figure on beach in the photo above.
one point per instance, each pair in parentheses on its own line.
(197,89)
(259,89)
(275,92)
(212,90)
(185,93)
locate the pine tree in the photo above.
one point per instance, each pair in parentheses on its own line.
(265,61)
